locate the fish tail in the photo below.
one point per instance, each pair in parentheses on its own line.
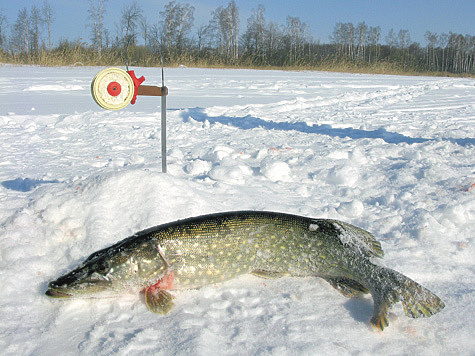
(417,301)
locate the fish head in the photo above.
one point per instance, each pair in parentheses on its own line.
(89,278)
(111,271)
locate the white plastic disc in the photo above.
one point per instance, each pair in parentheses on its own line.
(112,88)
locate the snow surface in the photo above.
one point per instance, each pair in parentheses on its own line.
(393,155)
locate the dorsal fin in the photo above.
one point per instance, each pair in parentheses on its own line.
(360,238)
(354,236)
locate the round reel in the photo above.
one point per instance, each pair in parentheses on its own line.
(112,88)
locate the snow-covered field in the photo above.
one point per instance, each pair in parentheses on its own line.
(393,155)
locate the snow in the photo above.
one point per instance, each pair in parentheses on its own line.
(392,155)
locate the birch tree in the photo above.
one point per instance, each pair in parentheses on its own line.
(35,21)
(344,36)
(391,39)
(176,23)
(296,34)
(225,22)
(273,42)
(337,38)
(374,38)
(362,35)
(20,34)
(431,52)
(47,15)
(96,14)
(3,25)
(204,36)
(144,30)
(443,43)
(131,17)
(254,37)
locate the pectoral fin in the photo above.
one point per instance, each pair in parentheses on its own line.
(158,300)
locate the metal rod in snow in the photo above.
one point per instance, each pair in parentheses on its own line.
(164,130)
(164,120)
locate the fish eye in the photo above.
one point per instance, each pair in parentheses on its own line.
(102,267)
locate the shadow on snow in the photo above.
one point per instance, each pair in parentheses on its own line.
(25,185)
(250,122)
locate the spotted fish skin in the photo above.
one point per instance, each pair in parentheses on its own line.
(219,247)
(213,248)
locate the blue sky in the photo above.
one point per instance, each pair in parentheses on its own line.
(417,16)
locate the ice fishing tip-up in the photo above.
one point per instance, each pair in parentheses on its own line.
(114,88)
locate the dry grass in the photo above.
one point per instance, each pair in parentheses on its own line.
(78,54)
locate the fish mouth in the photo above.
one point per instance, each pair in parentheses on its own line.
(54,293)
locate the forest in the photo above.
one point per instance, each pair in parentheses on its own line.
(171,37)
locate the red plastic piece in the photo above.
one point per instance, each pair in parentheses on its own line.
(137,82)
(114,88)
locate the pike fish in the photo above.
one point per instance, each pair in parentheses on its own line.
(194,252)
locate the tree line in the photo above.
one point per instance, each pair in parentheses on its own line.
(171,37)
